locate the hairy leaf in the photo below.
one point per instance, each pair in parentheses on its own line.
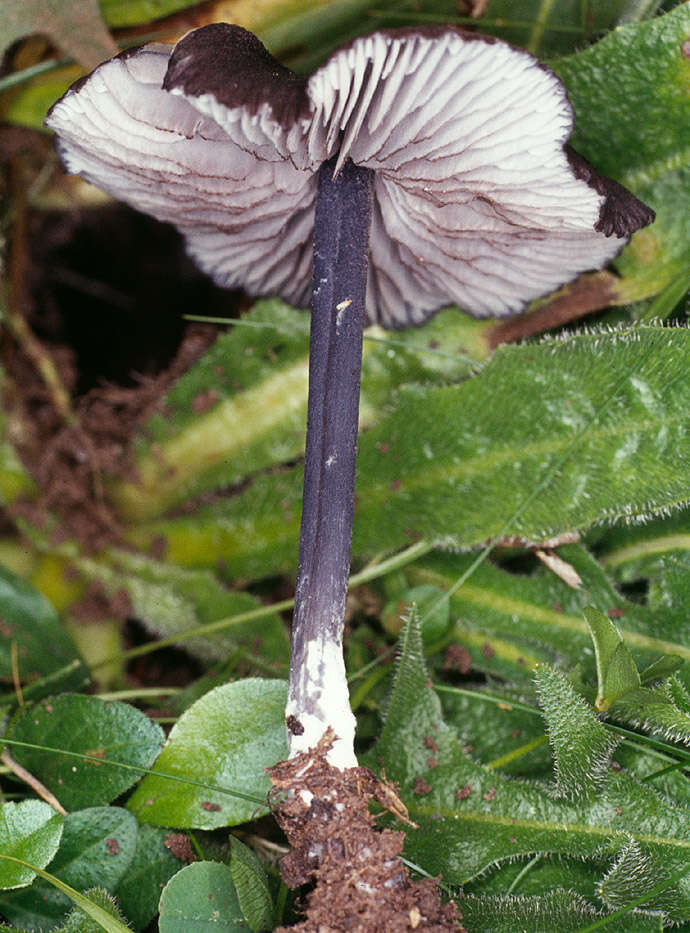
(558,910)
(251,886)
(471,818)
(244,402)
(172,601)
(500,454)
(581,745)
(616,126)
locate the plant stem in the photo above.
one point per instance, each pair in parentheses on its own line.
(318,695)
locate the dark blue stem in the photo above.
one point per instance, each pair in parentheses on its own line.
(341,247)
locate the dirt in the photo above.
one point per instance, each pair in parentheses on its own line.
(361,882)
(89,352)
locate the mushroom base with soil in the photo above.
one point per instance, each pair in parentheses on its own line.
(361,881)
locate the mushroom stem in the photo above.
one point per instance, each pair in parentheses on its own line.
(318,695)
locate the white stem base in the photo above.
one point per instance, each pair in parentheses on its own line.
(321,699)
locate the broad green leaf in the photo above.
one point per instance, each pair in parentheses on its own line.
(172,602)
(517,461)
(251,886)
(31,831)
(152,866)
(624,89)
(226,739)
(582,747)
(96,848)
(500,454)
(559,910)
(617,673)
(30,623)
(202,896)
(105,731)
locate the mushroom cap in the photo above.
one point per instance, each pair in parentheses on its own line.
(477,200)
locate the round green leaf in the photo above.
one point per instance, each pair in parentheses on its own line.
(226,740)
(31,831)
(105,731)
(201,897)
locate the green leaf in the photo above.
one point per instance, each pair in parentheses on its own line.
(506,466)
(624,90)
(96,849)
(172,602)
(244,403)
(152,866)
(472,819)
(510,622)
(617,673)
(226,739)
(251,886)
(411,692)
(30,623)
(661,668)
(202,896)
(635,870)
(30,831)
(79,921)
(662,710)
(103,916)
(105,731)
(582,747)
(558,910)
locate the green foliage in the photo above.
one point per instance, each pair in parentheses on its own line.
(616,670)
(556,910)
(207,893)
(226,740)
(96,849)
(538,731)
(30,623)
(617,450)
(79,921)
(623,139)
(30,831)
(153,864)
(102,731)
(471,820)
(582,747)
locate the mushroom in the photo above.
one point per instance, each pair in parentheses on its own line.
(415,169)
